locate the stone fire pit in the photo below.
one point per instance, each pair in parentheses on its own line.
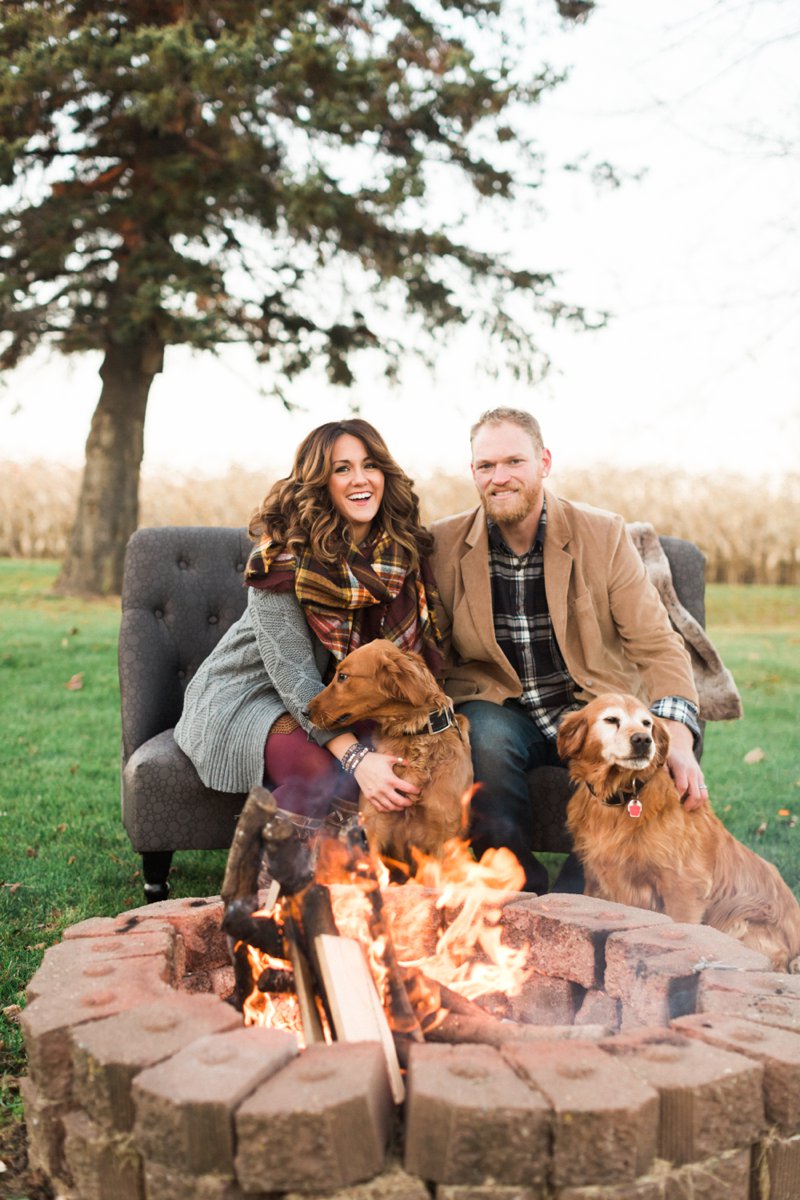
(668,1069)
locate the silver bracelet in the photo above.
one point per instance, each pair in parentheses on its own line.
(353,756)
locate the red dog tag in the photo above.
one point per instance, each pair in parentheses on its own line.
(634,808)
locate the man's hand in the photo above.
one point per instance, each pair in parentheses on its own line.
(684,767)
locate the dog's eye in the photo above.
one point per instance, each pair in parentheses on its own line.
(342,677)
(647,724)
(612,721)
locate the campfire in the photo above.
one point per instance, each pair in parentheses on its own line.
(323,959)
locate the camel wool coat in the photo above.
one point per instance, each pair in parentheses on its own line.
(610,624)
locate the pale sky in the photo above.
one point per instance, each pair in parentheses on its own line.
(699,262)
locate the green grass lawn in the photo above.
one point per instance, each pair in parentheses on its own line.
(64,854)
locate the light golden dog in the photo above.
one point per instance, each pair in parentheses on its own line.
(382,683)
(639,845)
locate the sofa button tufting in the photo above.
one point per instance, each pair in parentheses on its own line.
(183,564)
(181,674)
(240,566)
(157,613)
(212,620)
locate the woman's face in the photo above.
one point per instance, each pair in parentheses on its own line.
(355,485)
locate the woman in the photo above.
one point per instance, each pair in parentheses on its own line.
(341,558)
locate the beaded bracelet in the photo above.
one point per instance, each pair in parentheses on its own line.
(353,756)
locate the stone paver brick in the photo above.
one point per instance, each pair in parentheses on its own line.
(322,1123)
(104,1165)
(711,1099)
(566,935)
(107,1055)
(392,1184)
(457,1191)
(470,1119)
(771,999)
(656,972)
(163,1184)
(598,1008)
(777,1049)
(625,950)
(777,1169)
(44,1123)
(185,1105)
(104,988)
(415,921)
(724,1177)
(545,1000)
(65,962)
(197,921)
(605,1117)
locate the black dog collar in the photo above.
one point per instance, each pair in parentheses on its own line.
(439,721)
(628,796)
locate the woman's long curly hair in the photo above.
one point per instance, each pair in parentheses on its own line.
(297,511)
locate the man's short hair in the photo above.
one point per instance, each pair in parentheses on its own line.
(513,416)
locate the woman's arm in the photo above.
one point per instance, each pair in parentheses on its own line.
(286,647)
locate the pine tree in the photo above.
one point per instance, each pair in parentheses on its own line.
(188,171)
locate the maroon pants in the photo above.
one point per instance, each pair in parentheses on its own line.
(302,776)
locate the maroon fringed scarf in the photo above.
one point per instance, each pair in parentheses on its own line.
(370,592)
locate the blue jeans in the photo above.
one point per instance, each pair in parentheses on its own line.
(506,744)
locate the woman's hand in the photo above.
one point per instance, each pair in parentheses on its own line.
(378,783)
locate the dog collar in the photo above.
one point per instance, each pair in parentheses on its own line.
(628,796)
(440,720)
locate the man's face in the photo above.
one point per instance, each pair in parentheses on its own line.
(509,471)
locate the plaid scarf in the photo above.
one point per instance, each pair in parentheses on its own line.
(370,592)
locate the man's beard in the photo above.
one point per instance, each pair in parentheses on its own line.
(510,512)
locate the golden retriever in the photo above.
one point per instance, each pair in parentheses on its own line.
(395,689)
(639,845)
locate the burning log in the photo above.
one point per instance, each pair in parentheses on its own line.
(263,933)
(488,1031)
(276,980)
(244,856)
(358,1014)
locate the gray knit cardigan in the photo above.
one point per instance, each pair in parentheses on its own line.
(267,663)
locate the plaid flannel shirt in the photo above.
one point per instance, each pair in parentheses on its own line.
(525,634)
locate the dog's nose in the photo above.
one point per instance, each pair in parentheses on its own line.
(641,743)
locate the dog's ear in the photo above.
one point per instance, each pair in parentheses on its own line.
(661,737)
(406,678)
(572,734)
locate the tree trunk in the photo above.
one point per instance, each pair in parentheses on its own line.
(108,505)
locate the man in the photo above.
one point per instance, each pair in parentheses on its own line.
(547,605)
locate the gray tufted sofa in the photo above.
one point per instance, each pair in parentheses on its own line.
(182,589)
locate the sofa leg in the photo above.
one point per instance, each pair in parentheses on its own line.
(155,869)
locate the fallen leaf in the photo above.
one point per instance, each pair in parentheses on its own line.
(755,755)
(65,642)
(62,828)
(784,812)
(12,1012)
(73,767)
(75,683)
(12,887)
(72,859)
(3,1167)
(762,829)
(32,852)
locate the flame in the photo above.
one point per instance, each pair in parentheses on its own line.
(461,948)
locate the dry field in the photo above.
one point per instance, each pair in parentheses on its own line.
(750,533)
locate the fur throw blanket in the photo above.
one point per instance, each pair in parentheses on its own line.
(719,696)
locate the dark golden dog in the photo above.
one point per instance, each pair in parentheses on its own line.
(381,683)
(639,845)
